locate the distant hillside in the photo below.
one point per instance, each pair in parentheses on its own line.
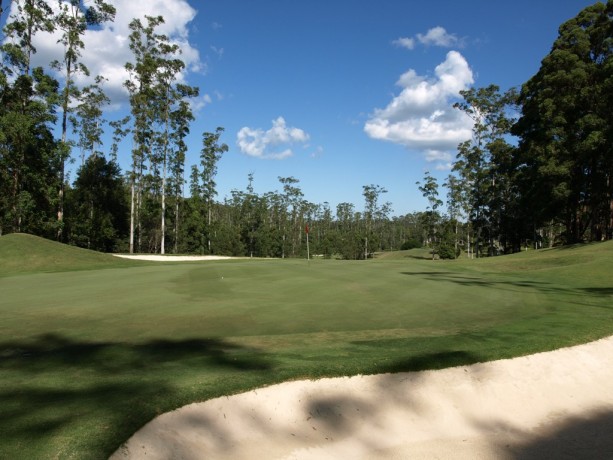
(22,253)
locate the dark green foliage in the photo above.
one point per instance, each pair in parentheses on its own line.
(28,154)
(447,247)
(98,217)
(410,244)
(566,147)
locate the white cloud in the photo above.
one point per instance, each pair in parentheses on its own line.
(437,155)
(442,160)
(421,117)
(444,166)
(107,48)
(272,144)
(438,36)
(217,51)
(200,102)
(404,42)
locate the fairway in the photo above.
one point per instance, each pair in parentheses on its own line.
(92,351)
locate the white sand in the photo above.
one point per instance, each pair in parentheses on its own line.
(164,258)
(554,405)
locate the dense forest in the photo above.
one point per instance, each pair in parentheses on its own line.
(536,172)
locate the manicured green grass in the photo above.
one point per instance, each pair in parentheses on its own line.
(21,253)
(88,356)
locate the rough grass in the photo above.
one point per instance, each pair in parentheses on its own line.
(89,355)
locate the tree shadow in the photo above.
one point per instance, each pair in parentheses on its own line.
(476,281)
(575,438)
(438,360)
(54,388)
(431,273)
(599,291)
(52,351)
(334,413)
(412,256)
(515,285)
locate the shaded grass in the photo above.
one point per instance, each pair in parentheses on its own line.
(87,357)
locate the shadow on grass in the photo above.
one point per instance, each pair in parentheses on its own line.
(442,351)
(476,281)
(438,360)
(515,285)
(599,291)
(63,397)
(53,351)
(411,256)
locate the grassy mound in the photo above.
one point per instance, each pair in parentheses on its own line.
(90,356)
(21,253)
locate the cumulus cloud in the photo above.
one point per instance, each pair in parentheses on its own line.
(272,144)
(404,42)
(107,48)
(438,36)
(200,102)
(421,117)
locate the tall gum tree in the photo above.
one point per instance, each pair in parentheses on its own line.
(181,118)
(72,20)
(30,17)
(143,44)
(429,190)
(210,155)
(478,158)
(155,98)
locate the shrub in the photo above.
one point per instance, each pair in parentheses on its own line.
(411,243)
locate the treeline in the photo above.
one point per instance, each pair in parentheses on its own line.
(537,170)
(555,186)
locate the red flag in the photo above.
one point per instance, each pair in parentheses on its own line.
(306,228)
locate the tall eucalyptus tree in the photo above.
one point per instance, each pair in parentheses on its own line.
(478,159)
(73,19)
(87,119)
(155,99)
(210,155)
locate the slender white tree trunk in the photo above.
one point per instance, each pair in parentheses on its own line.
(132,199)
(162,250)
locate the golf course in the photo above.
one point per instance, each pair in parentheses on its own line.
(93,347)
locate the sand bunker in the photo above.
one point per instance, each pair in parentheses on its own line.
(165,258)
(557,404)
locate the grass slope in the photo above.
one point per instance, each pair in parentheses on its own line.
(88,356)
(21,253)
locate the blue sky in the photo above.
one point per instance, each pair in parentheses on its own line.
(336,93)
